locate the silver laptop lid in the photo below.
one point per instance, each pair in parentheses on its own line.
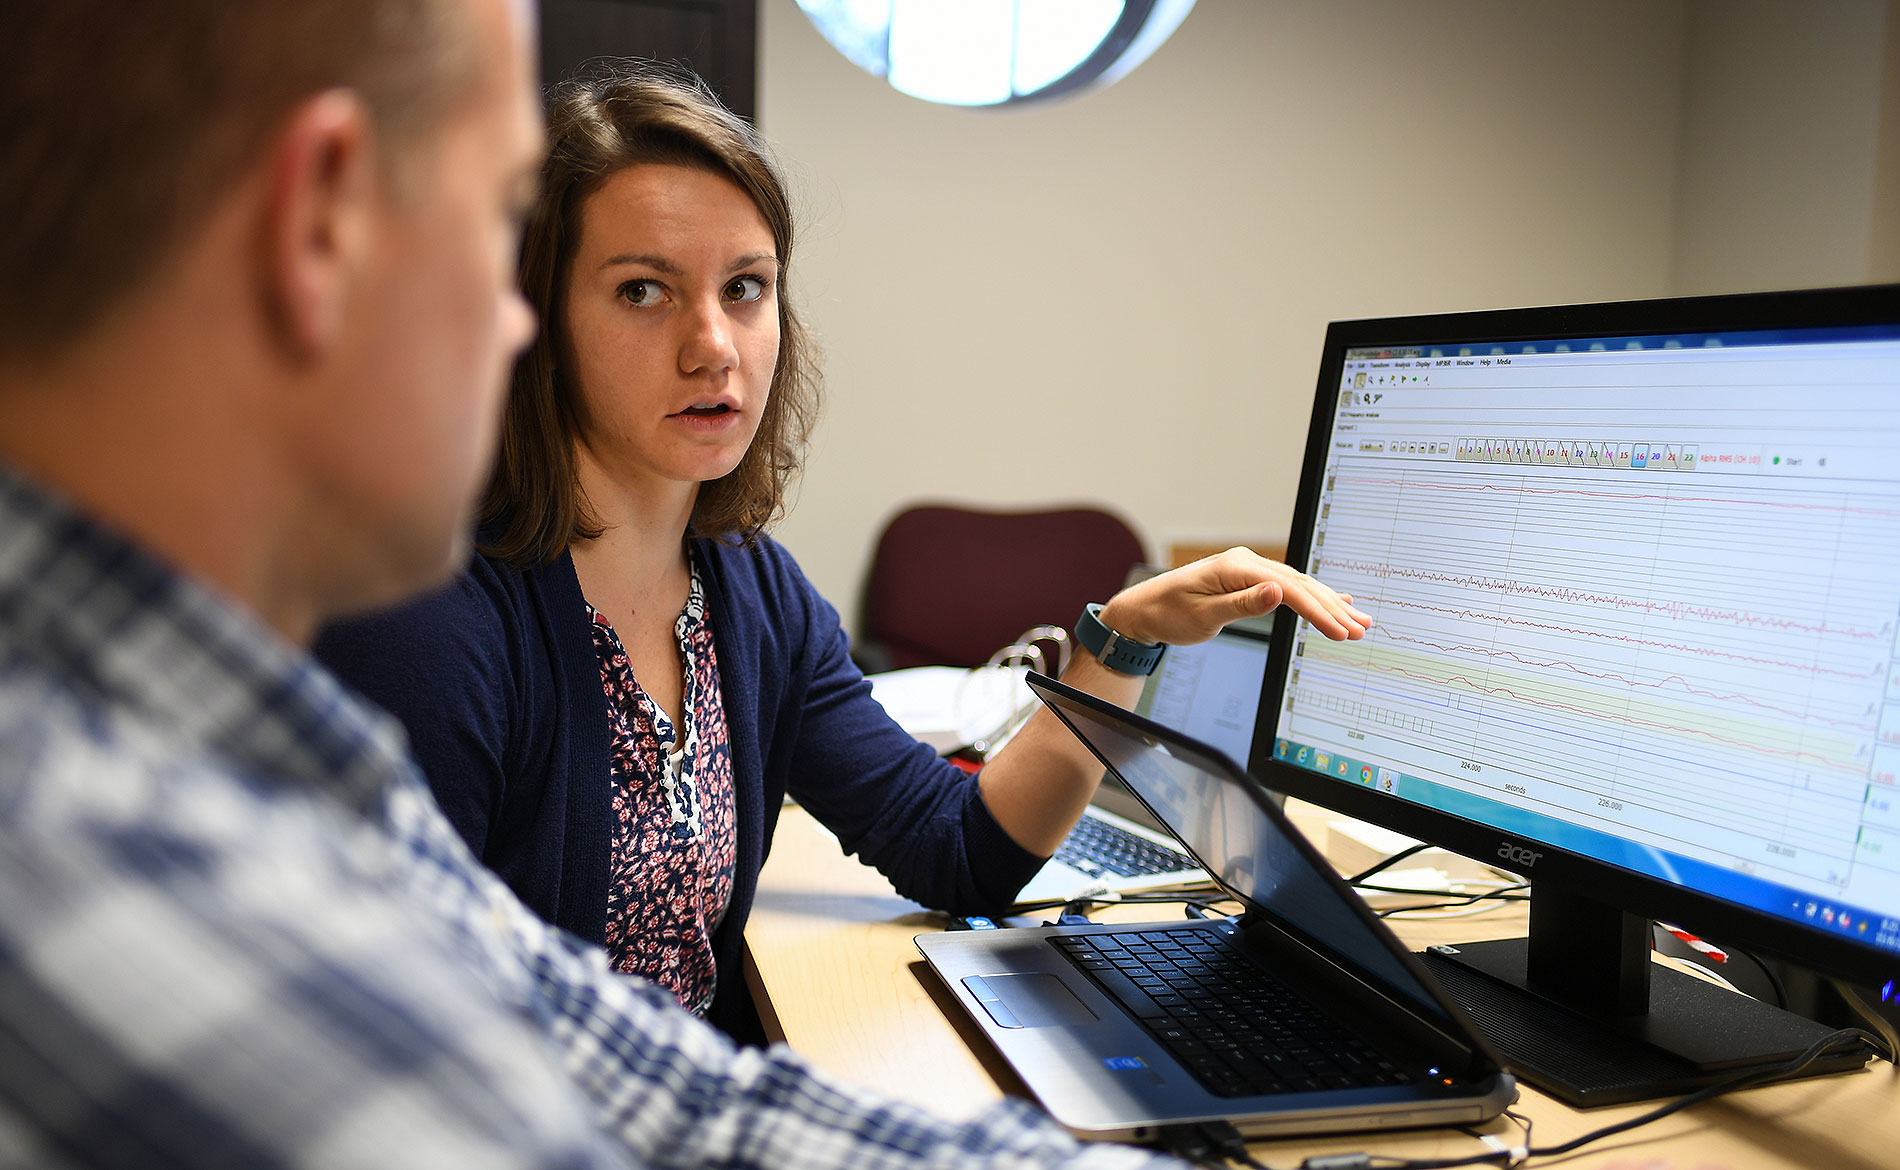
(1231,825)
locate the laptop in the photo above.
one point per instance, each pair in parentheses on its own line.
(1210,691)
(1303,1014)
(1109,855)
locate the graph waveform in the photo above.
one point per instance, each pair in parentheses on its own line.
(1628,639)
(1672,609)
(1506,692)
(1588,494)
(1611,676)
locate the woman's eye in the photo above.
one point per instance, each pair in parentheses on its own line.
(745,288)
(640,292)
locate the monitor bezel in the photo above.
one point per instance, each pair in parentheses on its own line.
(1739,926)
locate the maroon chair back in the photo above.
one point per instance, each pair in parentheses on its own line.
(951,585)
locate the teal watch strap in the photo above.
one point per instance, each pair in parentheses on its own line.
(1114,651)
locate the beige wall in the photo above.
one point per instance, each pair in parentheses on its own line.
(1884,263)
(1121,297)
(1781,113)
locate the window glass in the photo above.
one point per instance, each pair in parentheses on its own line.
(1054,36)
(995,52)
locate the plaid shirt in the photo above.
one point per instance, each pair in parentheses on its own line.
(236,931)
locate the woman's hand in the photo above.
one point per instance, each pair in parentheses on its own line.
(1191,604)
(1037,785)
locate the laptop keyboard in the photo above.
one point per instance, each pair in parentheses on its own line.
(1100,849)
(1236,1028)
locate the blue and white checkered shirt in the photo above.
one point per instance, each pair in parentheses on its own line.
(236,931)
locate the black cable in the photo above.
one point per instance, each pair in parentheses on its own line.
(1208,898)
(1389,862)
(1507,893)
(1814,1052)
(1211,1144)
(1879,1023)
(1201,910)
(1524,1121)
(1113,900)
(1108,899)
(1774,1072)
(1394,911)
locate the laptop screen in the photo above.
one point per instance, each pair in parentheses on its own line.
(1211,691)
(1230,826)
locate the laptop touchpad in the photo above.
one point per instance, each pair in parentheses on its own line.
(1027,1001)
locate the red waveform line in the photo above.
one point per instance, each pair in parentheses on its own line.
(1493,652)
(1675,610)
(1598,635)
(1515,489)
(1614,718)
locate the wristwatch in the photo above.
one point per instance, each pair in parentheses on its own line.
(1112,649)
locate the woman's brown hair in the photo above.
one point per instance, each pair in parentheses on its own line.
(629,114)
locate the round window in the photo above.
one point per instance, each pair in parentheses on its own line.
(995,52)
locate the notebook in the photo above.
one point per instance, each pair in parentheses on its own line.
(1304,1014)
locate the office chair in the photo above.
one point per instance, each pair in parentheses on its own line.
(951,585)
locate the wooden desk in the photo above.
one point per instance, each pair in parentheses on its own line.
(837,977)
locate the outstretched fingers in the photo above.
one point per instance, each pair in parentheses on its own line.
(1331,613)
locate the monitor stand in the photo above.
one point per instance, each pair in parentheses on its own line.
(1580,1011)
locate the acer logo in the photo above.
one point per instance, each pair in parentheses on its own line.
(1522,858)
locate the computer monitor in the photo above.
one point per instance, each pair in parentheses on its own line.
(1635,570)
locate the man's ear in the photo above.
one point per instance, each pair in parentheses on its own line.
(323,189)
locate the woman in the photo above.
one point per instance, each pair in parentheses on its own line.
(613,701)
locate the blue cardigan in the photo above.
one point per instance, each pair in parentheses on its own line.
(498,683)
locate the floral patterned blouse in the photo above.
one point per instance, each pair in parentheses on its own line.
(670,876)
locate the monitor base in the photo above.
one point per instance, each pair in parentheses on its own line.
(1694,1034)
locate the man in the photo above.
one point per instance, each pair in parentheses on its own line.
(255,313)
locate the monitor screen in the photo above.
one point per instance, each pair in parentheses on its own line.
(1635,571)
